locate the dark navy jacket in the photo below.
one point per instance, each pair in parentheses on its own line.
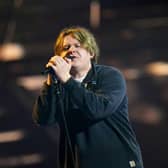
(96,114)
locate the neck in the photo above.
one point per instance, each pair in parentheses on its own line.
(76,73)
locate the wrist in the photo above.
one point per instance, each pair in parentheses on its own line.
(66,78)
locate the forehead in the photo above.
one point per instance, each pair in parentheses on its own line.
(69,39)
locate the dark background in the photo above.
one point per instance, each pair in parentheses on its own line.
(132,34)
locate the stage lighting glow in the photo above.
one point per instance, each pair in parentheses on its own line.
(131,73)
(11,51)
(21,160)
(95,14)
(11,136)
(31,83)
(157,69)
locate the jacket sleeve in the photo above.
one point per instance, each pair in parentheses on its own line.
(104,101)
(44,108)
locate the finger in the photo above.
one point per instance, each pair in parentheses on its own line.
(49,64)
(60,61)
(52,62)
(53,59)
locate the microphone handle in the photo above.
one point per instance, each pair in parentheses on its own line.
(48,70)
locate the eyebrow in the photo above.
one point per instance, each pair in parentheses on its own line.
(72,43)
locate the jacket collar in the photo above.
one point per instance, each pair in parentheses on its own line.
(91,76)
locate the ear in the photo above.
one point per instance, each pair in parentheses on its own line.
(92,56)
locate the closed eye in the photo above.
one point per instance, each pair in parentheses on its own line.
(66,47)
(77,45)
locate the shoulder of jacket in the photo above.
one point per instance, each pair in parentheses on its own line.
(106,69)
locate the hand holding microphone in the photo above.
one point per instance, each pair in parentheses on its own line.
(50,70)
(60,67)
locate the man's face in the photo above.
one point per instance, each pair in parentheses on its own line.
(81,57)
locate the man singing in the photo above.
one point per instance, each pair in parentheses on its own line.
(88,102)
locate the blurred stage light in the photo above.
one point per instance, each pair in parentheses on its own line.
(11,136)
(95,14)
(147,114)
(31,83)
(131,73)
(157,69)
(21,160)
(11,52)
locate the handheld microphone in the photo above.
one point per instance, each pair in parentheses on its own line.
(51,71)
(48,70)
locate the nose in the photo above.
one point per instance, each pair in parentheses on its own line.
(72,48)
